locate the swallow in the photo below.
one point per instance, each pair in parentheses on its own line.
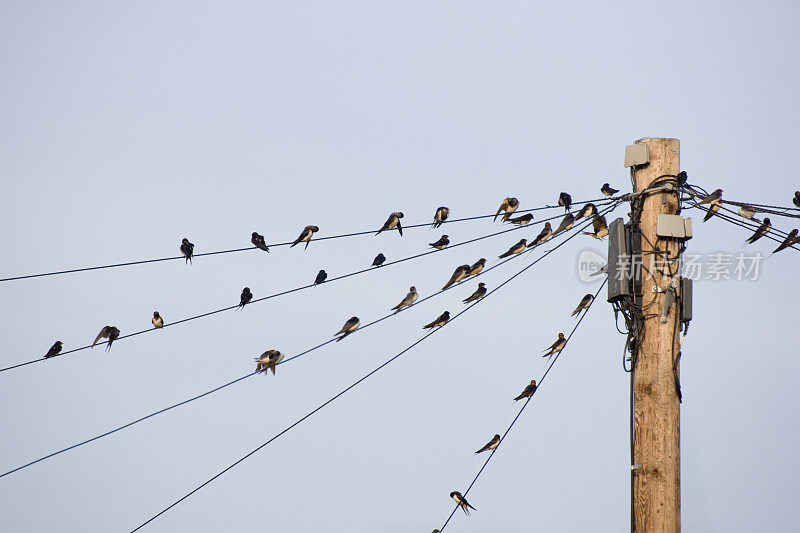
(491,445)
(586,211)
(607,190)
(522,219)
(788,241)
(459,274)
(349,327)
(715,196)
(268,361)
(305,235)
(462,502)
(410,298)
(475,269)
(599,226)
(796,199)
(760,232)
(479,293)
(585,302)
(556,346)
(259,242)
(245,298)
(442,243)
(321,277)
(712,209)
(108,332)
(187,249)
(746,211)
(545,234)
(528,391)
(508,206)
(682,177)
(393,222)
(379,259)
(53,351)
(566,224)
(441,215)
(516,249)
(565,200)
(157,320)
(439,322)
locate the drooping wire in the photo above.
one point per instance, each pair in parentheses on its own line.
(275,245)
(524,405)
(749,226)
(356,383)
(286,360)
(289,291)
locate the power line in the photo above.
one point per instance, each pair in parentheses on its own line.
(289,291)
(353,385)
(748,226)
(218,252)
(207,393)
(527,401)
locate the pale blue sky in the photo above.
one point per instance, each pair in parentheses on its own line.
(129,126)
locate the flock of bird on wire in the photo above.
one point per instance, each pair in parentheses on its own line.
(271,358)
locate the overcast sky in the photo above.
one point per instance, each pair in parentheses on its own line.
(128,126)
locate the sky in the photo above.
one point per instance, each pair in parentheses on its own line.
(128,126)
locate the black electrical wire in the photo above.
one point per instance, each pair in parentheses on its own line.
(366,376)
(275,245)
(282,293)
(197,397)
(750,227)
(514,421)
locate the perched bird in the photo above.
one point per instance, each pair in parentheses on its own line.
(245,298)
(321,277)
(158,320)
(585,302)
(528,391)
(349,327)
(712,209)
(475,269)
(796,199)
(393,222)
(305,235)
(479,293)
(599,226)
(522,219)
(516,249)
(410,298)
(586,211)
(379,259)
(108,332)
(565,200)
(439,322)
(462,502)
(566,224)
(788,241)
(53,351)
(760,232)
(682,177)
(441,215)
(607,190)
(746,211)
(259,242)
(459,274)
(715,196)
(268,361)
(507,207)
(187,249)
(545,234)
(491,445)
(556,346)
(442,243)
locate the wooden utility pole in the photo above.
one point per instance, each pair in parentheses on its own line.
(656,405)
